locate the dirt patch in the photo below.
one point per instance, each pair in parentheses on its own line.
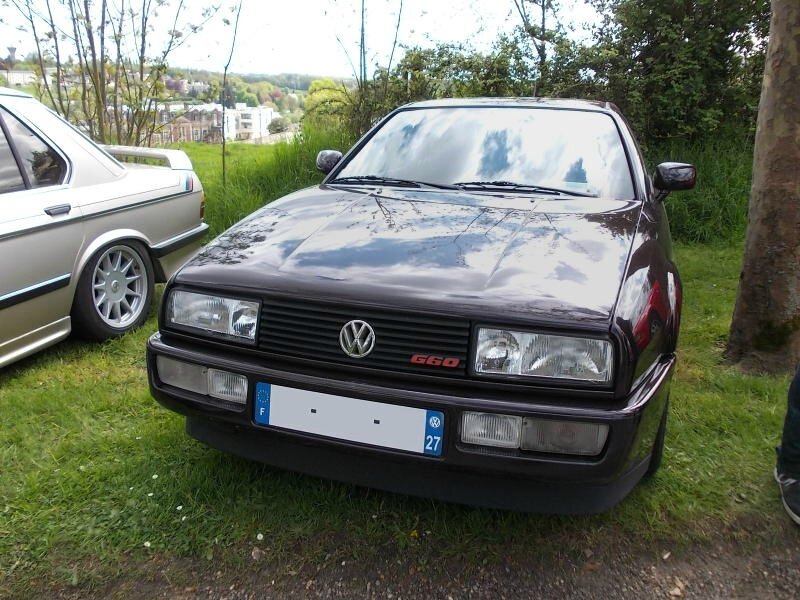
(743,561)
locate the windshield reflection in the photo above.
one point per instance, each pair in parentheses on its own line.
(573,150)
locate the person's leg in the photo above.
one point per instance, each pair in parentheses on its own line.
(789,451)
(787,469)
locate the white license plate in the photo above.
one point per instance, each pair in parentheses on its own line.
(386,425)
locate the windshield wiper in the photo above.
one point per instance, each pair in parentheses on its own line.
(376,179)
(519,187)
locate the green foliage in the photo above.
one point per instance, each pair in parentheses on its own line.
(253,91)
(291,81)
(213,93)
(279,125)
(683,69)
(424,73)
(676,69)
(716,210)
(327,101)
(249,98)
(452,71)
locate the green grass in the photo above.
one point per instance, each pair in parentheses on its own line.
(257,174)
(716,210)
(81,440)
(93,468)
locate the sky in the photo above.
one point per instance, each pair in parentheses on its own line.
(320,37)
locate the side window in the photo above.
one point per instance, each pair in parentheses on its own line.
(10,177)
(43,165)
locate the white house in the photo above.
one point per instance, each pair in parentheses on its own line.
(254,122)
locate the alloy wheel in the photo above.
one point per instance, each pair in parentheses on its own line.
(119,286)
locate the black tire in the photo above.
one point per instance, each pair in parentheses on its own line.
(658,446)
(114,292)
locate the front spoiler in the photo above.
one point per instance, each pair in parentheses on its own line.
(375,471)
(470,475)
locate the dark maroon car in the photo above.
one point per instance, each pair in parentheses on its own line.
(479,304)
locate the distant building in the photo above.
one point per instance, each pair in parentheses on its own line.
(197,88)
(204,123)
(253,122)
(188,125)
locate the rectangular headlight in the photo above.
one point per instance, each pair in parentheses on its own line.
(503,352)
(216,316)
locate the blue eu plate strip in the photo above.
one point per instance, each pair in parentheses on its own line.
(434,433)
(262,403)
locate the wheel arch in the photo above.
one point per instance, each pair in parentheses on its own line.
(114,237)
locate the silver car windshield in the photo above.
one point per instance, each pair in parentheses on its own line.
(536,150)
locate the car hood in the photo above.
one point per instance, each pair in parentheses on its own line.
(480,255)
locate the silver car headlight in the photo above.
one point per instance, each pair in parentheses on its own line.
(216,316)
(503,352)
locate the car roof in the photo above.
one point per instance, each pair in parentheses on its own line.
(568,103)
(4,91)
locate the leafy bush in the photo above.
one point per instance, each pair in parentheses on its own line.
(716,210)
(278,125)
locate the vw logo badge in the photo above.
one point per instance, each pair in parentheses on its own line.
(357,339)
(435,422)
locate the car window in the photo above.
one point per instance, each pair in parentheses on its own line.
(10,177)
(572,150)
(43,165)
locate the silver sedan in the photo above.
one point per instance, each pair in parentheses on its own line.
(83,237)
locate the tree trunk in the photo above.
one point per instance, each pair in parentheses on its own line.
(765,332)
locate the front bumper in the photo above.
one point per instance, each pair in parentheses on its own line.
(463,473)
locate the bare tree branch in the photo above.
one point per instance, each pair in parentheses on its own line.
(225,83)
(114,86)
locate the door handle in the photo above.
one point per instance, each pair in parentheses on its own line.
(59,209)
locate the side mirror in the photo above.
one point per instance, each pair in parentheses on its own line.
(672,177)
(327,159)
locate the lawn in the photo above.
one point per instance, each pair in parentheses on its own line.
(98,477)
(96,474)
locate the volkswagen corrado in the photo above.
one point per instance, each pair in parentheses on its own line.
(478,303)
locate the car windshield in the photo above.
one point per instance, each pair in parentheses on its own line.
(520,149)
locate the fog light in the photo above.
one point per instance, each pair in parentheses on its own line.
(563,437)
(186,376)
(230,387)
(227,386)
(488,429)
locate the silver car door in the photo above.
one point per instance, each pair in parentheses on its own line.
(41,232)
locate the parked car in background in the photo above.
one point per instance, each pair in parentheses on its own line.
(83,237)
(479,303)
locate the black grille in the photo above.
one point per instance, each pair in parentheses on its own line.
(310,329)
